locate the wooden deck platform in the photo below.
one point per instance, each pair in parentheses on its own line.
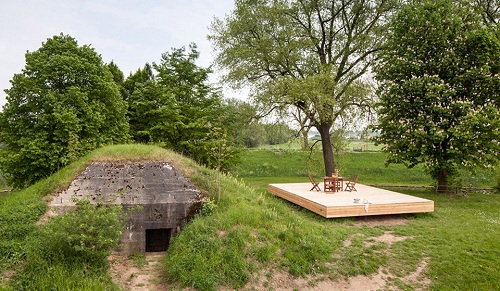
(372,201)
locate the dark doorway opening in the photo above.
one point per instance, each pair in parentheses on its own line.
(157,240)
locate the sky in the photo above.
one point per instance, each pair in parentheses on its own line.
(129,32)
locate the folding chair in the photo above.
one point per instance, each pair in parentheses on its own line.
(315,185)
(349,186)
(330,184)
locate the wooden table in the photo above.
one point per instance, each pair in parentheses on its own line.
(333,184)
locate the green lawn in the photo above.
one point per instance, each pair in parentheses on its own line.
(251,230)
(285,164)
(250,233)
(459,240)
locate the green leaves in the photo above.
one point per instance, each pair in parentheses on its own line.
(176,105)
(305,56)
(63,104)
(437,74)
(71,250)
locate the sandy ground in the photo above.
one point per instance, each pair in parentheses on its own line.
(149,277)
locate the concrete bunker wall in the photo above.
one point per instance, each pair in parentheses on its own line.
(168,200)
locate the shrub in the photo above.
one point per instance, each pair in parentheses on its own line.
(76,243)
(88,234)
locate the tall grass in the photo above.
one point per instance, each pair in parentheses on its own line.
(20,210)
(250,231)
(252,234)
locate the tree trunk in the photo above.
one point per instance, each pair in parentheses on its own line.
(326,144)
(442,181)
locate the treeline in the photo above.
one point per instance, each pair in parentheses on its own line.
(67,102)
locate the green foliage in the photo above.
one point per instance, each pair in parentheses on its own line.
(61,276)
(87,235)
(440,101)
(72,243)
(176,106)
(238,118)
(303,55)
(18,214)
(140,78)
(197,103)
(118,77)
(117,74)
(153,114)
(209,207)
(20,210)
(277,133)
(62,105)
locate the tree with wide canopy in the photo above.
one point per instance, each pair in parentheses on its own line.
(308,55)
(439,86)
(62,105)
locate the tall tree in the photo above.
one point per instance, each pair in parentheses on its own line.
(439,87)
(172,102)
(63,104)
(118,77)
(307,54)
(153,112)
(197,101)
(140,78)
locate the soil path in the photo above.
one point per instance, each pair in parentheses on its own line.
(129,276)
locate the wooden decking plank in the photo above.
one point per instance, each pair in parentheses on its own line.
(341,204)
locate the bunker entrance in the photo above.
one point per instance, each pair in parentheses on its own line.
(167,199)
(157,240)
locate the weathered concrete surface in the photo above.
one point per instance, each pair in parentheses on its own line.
(168,199)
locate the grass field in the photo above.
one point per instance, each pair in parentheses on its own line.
(350,146)
(252,231)
(294,164)
(249,238)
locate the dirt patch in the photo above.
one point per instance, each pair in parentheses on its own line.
(5,277)
(131,277)
(46,216)
(382,280)
(381,220)
(149,277)
(389,238)
(281,280)
(417,277)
